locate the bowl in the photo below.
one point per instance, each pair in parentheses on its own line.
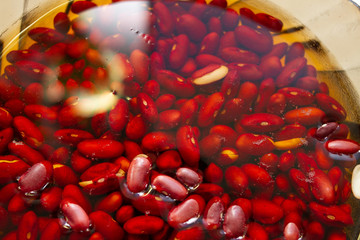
(180,120)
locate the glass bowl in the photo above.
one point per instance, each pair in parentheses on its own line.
(321,31)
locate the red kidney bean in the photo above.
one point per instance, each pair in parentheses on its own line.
(189,177)
(230,19)
(268,21)
(158,141)
(64,175)
(266,89)
(36,177)
(100,148)
(188,68)
(188,146)
(106,225)
(335,176)
(121,67)
(238,55)
(75,193)
(156,205)
(256,175)
(236,179)
(15,107)
(336,235)
(33,93)
(262,122)
(195,232)
(28,154)
(141,62)
(342,146)
(256,231)
(286,161)
(209,74)
(27,54)
(18,204)
(331,215)
(110,203)
(165,23)
(322,157)
(290,72)
(213,214)
(12,167)
(186,212)
(192,27)
(46,36)
(269,162)
(188,112)
(147,107)
(214,25)
(118,116)
(291,231)
(168,160)
(266,211)
(144,225)
(210,145)
(297,96)
(81,6)
(9,90)
(270,66)
(305,116)
(248,92)
(165,101)
(326,130)
(231,111)
(29,132)
(75,215)
(213,173)
(33,70)
(282,183)
(7,192)
(321,187)
(152,88)
(255,40)
(136,128)
(50,199)
(209,44)
(252,144)
(62,22)
(138,173)
(308,83)
(179,52)
(234,222)
(245,205)
(101,178)
(79,163)
(125,213)
(290,131)
(227,40)
(295,50)
(209,190)
(300,183)
(169,119)
(210,109)
(169,186)
(60,155)
(28,227)
(40,112)
(51,231)
(203,60)
(247,16)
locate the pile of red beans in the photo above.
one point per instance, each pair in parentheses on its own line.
(208,130)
